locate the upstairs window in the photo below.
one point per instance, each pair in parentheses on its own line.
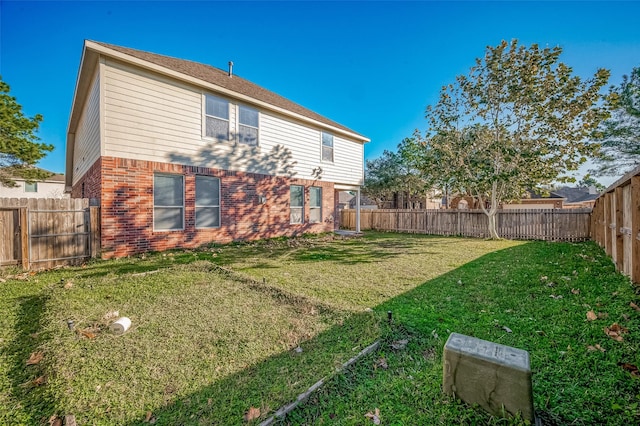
(327,147)
(297,203)
(315,204)
(31,187)
(207,202)
(168,202)
(217,118)
(248,126)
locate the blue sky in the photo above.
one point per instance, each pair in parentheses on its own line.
(372,66)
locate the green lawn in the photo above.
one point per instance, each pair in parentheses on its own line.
(208,344)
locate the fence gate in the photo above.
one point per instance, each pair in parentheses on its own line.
(12,222)
(43,233)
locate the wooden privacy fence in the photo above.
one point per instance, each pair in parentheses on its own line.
(46,232)
(539,224)
(616,223)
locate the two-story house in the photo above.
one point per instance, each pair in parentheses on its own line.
(180,154)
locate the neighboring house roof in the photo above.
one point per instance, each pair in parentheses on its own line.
(345,197)
(534,195)
(54,178)
(577,195)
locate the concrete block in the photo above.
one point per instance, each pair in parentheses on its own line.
(494,376)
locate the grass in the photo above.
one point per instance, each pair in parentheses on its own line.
(206,346)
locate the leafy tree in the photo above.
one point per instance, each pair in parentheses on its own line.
(518,120)
(382,177)
(393,173)
(589,181)
(19,146)
(620,136)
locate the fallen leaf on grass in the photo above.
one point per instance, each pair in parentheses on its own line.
(382,363)
(602,315)
(87,334)
(626,317)
(634,306)
(375,416)
(68,285)
(575,290)
(150,418)
(507,329)
(615,331)
(630,368)
(35,382)
(55,421)
(252,414)
(591,316)
(399,344)
(35,358)
(597,347)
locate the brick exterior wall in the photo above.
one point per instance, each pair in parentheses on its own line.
(89,186)
(126,200)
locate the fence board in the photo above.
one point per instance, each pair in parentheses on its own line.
(550,225)
(48,232)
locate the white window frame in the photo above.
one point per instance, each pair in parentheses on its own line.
(292,207)
(33,185)
(154,203)
(239,107)
(313,208)
(207,206)
(323,146)
(205,115)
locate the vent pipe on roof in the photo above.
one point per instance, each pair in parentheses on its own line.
(230,69)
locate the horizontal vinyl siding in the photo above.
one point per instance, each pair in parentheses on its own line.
(305,146)
(87,137)
(153,118)
(348,164)
(148,117)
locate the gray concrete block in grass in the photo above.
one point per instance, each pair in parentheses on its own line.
(494,376)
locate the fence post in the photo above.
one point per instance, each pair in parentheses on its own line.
(619,260)
(607,223)
(94,230)
(635,229)
(24,238)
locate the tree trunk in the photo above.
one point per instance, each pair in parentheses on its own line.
(492,216)
(492,212)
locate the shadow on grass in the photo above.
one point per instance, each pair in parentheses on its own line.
(279,379)
(350,251)
(477,299)
(134,265)
(501,288)
(34,402)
